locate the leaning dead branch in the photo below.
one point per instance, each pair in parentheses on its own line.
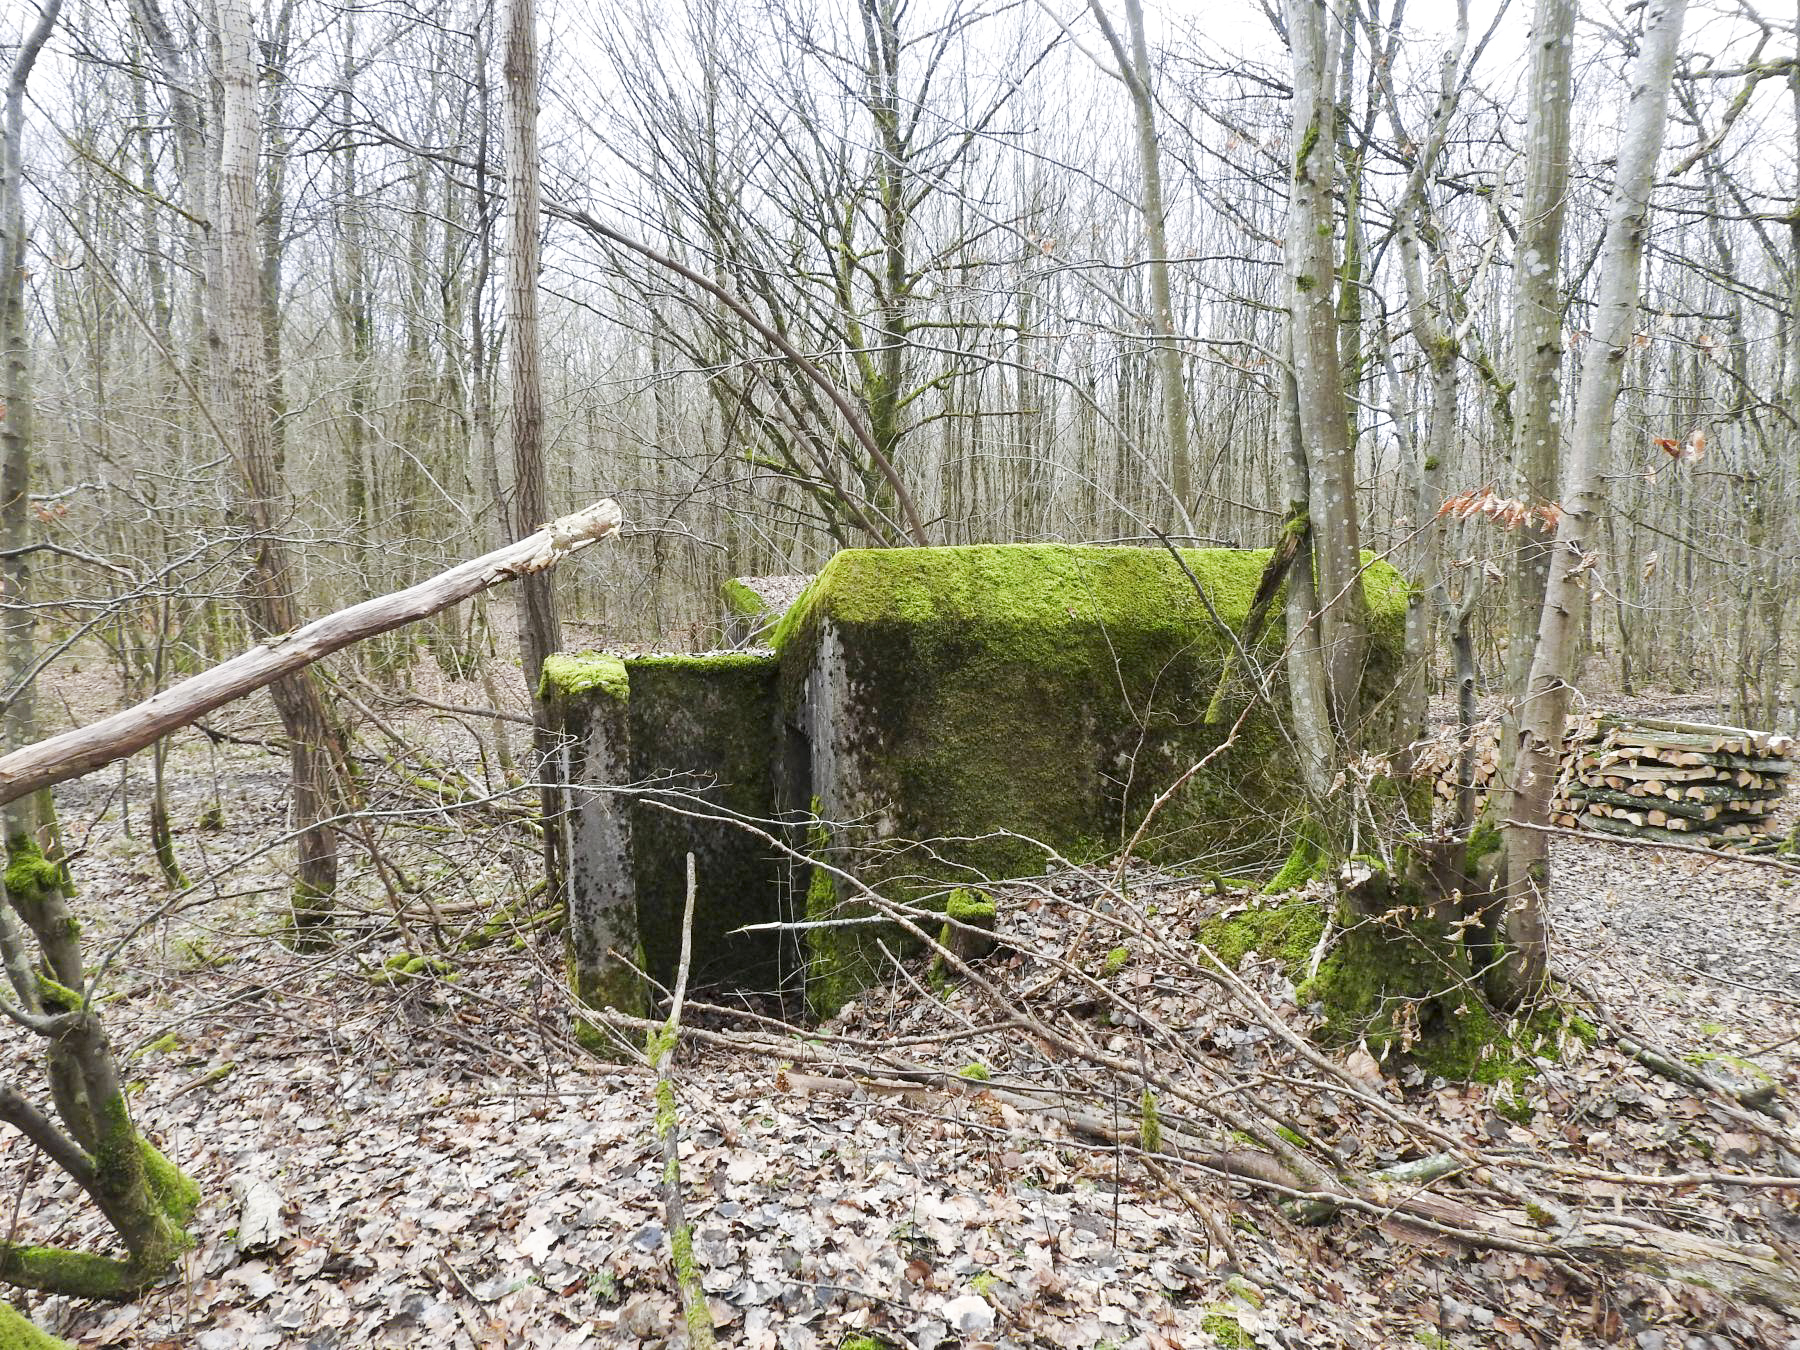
(84,749)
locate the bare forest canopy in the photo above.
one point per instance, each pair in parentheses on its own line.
(943,208)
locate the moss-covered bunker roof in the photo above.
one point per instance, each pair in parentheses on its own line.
(1051,586)
(572,674)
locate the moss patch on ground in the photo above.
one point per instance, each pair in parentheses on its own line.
(1226,1330)
(1287,933)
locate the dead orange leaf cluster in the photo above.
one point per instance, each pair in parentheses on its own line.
(1509,512)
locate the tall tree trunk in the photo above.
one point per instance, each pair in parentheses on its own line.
(18,642)
(356,329)
(1538,751)
(1537,331)
(239,343)
(1314,31)
(540,632)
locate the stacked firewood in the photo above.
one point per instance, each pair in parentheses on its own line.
(1680,782)
(1672,782)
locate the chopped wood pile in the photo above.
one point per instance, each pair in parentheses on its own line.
(1672,782)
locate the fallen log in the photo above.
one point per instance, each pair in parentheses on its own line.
(70,754)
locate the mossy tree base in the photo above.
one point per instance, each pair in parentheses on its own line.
(148,1200)
(1397,976)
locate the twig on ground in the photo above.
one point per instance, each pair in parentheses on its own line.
(668,1128)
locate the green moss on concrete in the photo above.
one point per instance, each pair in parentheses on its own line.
(572,674)
(693,663)
(711,719)
(840,962)
(1054,691)
(17,1333)
(618,985)
(739,599)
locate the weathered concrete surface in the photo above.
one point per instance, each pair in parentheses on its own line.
(703,726)
(934,716)
(588,697)
(752,606)
(1018,704)
(686,734)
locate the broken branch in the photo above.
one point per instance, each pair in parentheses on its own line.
(73,753)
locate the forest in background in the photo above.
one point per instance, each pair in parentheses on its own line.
(946,207)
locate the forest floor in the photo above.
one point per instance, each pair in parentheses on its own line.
(457,1171)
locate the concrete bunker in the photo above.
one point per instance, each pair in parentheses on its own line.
(926,718)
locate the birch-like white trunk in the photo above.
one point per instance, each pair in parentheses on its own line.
(1538,748)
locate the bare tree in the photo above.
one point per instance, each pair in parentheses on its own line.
(16,433)
(1574,553)
(1327,491)
(1538,321)
(240,353)
(1134,71)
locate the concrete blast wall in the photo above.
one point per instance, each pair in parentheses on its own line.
(930,717)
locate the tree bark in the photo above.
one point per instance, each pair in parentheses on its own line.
(540,630)
(1314,31)
(18,642)
(239,344)
(540,633)
(1538,747)
(1134,70)
(1537,331)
